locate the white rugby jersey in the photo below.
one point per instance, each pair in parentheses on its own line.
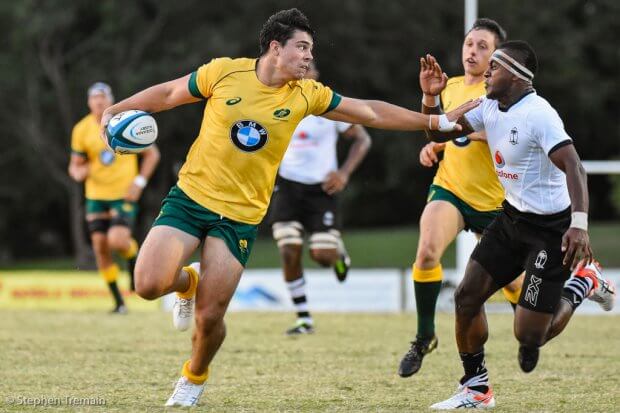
(311,155)
(520,140)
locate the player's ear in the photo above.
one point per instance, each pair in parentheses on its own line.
(275,46)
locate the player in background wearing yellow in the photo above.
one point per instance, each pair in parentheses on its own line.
(252,108)
(465,195)
(113,186)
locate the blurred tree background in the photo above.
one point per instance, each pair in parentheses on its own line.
(52,50)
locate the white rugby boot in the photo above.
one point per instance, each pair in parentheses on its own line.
(466,398)
(183,308)
(603,291)
(186,393)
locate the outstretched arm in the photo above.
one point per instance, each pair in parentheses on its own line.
(576,242)
(156,98)
(382,115)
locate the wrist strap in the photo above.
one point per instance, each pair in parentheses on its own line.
(140,181)
(579,220)
(428,98)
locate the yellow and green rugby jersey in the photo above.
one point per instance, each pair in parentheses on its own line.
(246,128)
(109,174)
(467,169)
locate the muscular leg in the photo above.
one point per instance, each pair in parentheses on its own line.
(221,273)
(296,284)
(119,238)
(533,329)
(471,323)
(158,268)
(289,236)
(327,249)
(103,256)
(439,225)
(325,257)
(291,261)
(512,291)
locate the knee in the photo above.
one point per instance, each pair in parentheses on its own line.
(428,255)
(146,285)
(211,319)
(117,241)
(466,303)
(325,258)
(290,256)
(529,338)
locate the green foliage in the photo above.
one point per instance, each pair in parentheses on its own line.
(52,50)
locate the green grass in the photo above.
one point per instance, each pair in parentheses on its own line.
(349,365)
(378,248)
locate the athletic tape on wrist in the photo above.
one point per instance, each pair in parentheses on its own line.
(579,220)
(445,125)
(435,99)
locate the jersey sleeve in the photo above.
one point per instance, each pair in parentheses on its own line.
(321,99)
(201,81)
(474,117)
(548,129)
(77,142)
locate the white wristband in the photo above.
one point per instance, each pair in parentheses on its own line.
(140,181)
(445,125)
(426,98)
(579,220)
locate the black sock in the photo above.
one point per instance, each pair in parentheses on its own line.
(475,371)
(131,265)
(297,288)
(116,294)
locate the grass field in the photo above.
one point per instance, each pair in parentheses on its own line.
(380,248)
(132,362)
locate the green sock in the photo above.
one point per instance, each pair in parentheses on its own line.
(426,294)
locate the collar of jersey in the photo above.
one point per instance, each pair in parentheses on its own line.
(271,89)
(529,92)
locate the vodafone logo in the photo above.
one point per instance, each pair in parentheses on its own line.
(500,162)
(499,159)
(507,175)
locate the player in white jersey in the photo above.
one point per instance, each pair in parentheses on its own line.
(304,202)
(542,229)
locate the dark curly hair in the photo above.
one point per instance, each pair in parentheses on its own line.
(281,26)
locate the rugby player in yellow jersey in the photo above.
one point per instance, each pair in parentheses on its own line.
(224,187)
(113,186)
(466,193)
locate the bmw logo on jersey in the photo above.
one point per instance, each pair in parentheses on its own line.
(461,141)
(248,135)
(106,157)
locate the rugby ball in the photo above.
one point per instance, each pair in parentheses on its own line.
(131,131)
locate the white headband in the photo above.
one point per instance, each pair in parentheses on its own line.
(512,66)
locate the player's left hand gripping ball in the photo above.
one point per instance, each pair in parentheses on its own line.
(131,131)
